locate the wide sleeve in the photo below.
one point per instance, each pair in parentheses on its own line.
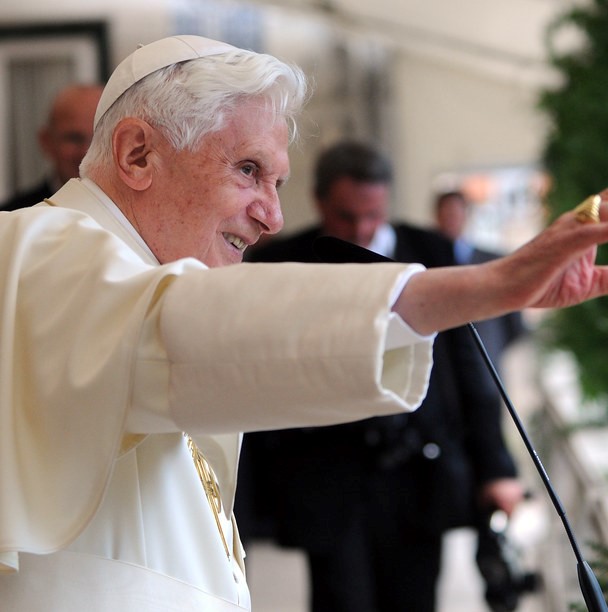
(94,343)
(73,300)
(250,348)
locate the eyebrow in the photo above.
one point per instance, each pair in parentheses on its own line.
(282,181)
(260,158)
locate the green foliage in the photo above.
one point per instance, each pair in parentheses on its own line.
(576,158)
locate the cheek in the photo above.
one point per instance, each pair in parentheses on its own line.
(214,196)
(192,198)
(205,201)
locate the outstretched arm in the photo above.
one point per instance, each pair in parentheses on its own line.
(555,269)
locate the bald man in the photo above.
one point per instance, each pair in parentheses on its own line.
(64,140)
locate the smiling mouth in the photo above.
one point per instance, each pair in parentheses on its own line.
(236,242)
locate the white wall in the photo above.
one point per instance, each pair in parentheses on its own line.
(465,78)
(458,119)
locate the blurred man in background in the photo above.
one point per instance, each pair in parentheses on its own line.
(452,211)
(64,140)
(368,502)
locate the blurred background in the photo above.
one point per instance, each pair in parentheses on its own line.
(450,91)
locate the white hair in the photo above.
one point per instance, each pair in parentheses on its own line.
(192,99)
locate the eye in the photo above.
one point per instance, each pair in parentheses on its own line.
(250,169)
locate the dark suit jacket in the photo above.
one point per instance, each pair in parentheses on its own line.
(30,197)
(299,485)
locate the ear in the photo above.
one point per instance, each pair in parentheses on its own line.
(133,146)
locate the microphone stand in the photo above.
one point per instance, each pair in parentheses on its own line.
(590,588)
(334,250)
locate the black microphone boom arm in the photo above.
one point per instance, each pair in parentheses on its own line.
(334,250)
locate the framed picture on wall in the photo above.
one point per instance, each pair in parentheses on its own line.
(36,60)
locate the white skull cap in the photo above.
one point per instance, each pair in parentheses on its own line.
(150,58)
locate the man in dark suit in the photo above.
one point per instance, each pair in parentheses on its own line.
(368,502)
(64,140)
(451,216)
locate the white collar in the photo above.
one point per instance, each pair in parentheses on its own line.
(384,241)
(87,197)
(117,215)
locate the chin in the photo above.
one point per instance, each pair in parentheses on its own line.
(216,262)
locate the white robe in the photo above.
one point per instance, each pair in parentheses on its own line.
(106,357)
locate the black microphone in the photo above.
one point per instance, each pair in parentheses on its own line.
(333,250)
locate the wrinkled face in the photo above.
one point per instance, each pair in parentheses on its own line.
(220,199)
(353,210)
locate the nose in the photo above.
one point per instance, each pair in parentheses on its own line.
(267,212)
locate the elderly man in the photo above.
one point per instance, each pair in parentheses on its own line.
(132,354)
(64,140)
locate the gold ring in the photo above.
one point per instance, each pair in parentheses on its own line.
(589,210)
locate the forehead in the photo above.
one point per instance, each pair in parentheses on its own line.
(76,103)
(346,192)
(453,202)
(255,132)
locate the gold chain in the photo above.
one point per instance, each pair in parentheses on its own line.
(210,486)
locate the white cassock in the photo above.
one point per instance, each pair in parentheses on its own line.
(106,357)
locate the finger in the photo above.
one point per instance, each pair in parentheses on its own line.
(600,285)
